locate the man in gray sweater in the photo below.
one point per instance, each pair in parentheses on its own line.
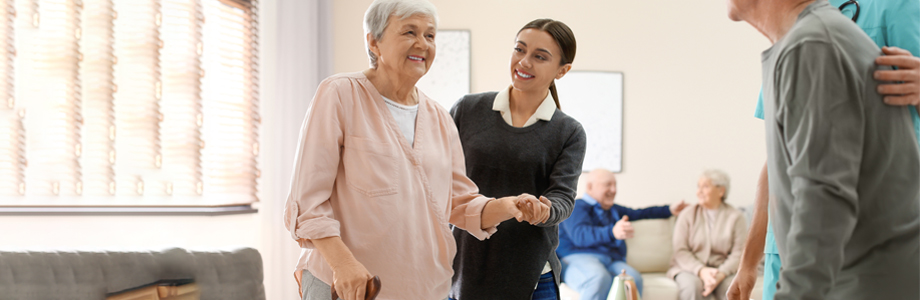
(844,168)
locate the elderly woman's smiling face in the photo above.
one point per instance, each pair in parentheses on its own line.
(407,46)
(708,194)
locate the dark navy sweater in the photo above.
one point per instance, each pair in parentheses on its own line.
(545,159)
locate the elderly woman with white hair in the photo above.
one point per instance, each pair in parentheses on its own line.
(708,240)
(380,173)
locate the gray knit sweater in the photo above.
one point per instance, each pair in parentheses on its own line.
(542,159)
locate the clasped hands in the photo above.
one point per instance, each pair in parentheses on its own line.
(527,208)
(711,278)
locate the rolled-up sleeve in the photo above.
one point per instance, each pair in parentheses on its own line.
(466,202)
(307,213)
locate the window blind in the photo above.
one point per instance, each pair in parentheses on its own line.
(128,102)
(12,149)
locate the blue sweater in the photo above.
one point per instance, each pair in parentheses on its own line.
(590,228)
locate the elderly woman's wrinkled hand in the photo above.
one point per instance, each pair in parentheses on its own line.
(350,280)
(707,275)
(711,277)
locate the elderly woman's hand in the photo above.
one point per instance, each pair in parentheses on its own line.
(350,280)
(711,277)
(349,277)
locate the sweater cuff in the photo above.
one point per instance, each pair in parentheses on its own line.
(315,229)
(610,235)
(726,270)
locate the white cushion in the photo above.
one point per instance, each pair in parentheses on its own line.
(657,286)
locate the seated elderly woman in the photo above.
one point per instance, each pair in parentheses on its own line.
(380,173)
(708,241)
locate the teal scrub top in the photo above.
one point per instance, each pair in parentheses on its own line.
(888,23)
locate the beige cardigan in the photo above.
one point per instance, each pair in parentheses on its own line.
(696,247)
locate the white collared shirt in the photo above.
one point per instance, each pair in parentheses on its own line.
(503,104)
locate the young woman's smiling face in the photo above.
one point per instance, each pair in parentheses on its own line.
(535,62)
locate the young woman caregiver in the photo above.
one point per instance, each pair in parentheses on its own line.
(515,141)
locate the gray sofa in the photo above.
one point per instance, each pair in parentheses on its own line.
(92,275)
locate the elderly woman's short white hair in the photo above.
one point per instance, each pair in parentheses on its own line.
(718,178)
(378,14)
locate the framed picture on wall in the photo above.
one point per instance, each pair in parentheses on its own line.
(596,100)
(449,76)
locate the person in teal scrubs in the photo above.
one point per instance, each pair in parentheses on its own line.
(894,25)
(890,23)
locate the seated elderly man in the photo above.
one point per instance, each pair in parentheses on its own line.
(592,243)
(708,240)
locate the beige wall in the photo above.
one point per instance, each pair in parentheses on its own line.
(691,80)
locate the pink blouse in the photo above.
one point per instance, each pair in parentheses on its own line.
(356,176)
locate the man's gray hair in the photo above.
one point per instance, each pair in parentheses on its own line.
(718,178)
(378,14)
